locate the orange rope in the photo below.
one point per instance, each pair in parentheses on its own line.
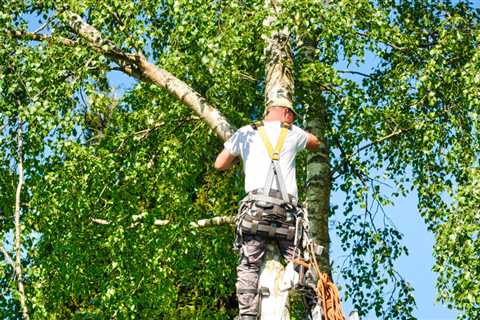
(330,298)
(327,292)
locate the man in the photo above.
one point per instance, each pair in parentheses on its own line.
(270,182)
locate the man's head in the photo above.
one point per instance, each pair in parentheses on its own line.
(280,113)
(279,107)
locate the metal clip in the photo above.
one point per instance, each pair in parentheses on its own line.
(264,292)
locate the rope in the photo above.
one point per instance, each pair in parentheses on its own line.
(327,292)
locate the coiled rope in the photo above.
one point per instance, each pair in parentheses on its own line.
(327,292)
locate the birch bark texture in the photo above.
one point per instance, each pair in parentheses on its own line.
(279,90)
(319,181)
(279,83)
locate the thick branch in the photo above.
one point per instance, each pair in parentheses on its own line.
(137,66)
(18,227)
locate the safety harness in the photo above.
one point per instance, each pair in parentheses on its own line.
(261,212)
(267,211)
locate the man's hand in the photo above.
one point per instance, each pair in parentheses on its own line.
(225,160)
(312,142)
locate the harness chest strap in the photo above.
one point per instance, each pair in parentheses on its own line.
(274,153)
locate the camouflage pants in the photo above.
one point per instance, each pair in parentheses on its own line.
(252,251)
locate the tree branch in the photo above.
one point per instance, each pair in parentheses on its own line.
(215,221)
(380,140)
(137,66)
(8,258)
(41,37)
(18,228)
(355,72)
(203,223)
(347,157)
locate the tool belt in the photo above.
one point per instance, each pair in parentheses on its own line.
(268,216)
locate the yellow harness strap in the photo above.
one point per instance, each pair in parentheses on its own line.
(274,153)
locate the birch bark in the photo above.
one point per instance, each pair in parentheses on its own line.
(18,226)
(279,88)
(318,181)
(279,83)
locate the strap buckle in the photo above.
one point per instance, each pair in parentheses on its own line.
(276,156)
(264,291)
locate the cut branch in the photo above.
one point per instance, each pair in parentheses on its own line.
(279,84)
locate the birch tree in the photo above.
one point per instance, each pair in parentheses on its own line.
(143,152)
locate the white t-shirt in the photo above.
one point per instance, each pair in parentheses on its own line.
(248,144)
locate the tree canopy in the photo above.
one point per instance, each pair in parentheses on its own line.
(129,156)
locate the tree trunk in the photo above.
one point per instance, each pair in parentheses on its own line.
(318,180)
(279,85)
(279,88)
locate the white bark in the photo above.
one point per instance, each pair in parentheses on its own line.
(279,88)
(18,226)
(279,85)
(275,305)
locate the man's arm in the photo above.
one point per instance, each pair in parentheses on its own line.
(312,142)
(225,160)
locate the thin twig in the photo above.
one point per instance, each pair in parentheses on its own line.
(43,26)
(355,72)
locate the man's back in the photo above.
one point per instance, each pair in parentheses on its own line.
(248,144)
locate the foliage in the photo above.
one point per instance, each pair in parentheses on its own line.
(457,250)
(132,155)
